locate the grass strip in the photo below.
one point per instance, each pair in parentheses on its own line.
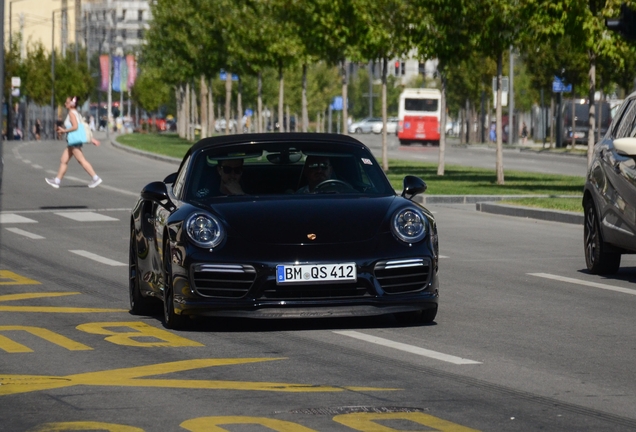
(552,203)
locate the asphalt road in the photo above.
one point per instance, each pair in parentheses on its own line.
(519,158)
(525,339)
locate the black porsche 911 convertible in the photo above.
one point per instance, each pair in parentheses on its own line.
(282,226)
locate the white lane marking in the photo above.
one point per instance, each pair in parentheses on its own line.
(86,216)
(26,161)
(444,256)
(14,218)
(586,283)
(36,166)
(126,209)
(25,233)
(105,186)
(98,258)
(408,348)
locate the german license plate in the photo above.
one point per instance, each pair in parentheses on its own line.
(316,273)
(420,135)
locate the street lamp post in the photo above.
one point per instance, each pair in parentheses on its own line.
(10,104)
(53,117)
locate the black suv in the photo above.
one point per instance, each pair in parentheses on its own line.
(609,198)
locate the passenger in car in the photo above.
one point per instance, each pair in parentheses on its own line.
(230,171)
(317,169)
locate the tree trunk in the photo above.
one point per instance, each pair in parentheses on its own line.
(239,109)
(204,108)
(194,111)
(385,152)
(600,116)
(592,113)
(210,110)
(552,120)
(385,145)
(228,101)
(345,102)
(281,99)
(573,141)
(305,113)
(259,104)
(498,130)
(462,125)
(442,126)
(186,109)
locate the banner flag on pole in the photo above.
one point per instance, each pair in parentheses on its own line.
(116,73)
(124,76)
(104,63)
(132,70)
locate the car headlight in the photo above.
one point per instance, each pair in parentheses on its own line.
(409,225)
(204,230)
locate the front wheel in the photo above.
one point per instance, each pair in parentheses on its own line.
(139,305)
(170,318)
(598,260)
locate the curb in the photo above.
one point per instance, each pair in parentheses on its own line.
(155,156)
(531,213)
(483,203)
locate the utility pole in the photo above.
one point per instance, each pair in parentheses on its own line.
(512,129)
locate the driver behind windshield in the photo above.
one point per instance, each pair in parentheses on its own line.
(317,169)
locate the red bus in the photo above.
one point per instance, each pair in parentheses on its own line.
(419,116)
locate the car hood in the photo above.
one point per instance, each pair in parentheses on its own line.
(294,221)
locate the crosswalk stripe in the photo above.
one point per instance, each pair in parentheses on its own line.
(14,218)
(86,216)
(25,233)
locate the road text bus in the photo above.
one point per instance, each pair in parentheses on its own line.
(419,116)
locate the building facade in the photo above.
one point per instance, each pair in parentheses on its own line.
(115,26)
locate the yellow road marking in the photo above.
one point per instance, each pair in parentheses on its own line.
(212,424)
(84,426)
(129,377)
(162,338)
(47,309)
(365,421)
(8,345)
(9,278)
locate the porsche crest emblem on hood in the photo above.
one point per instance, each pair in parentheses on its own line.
(311,236)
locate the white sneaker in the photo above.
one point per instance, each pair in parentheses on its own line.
(95,183)
(52,182)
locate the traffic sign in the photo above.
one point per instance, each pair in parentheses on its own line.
(558,86)
(337,103)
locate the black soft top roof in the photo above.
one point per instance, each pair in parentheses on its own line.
(293,137)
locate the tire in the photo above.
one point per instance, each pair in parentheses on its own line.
(404,142)
(139,305)
(597,259)
(358,130)
(171,320)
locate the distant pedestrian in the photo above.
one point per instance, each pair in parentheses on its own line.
(37,129)
(493,133)
(524,132)
(75,138)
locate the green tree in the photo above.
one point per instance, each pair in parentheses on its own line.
(37,74)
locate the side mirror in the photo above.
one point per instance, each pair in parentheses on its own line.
(625,146)
(171,178)
(158,192)
(412,186)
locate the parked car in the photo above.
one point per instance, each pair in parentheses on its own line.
(581,120)
(365,125)
(391,126)
(277,251)
(609,198)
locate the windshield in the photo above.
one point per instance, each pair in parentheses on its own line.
(308,169)
(428,105)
